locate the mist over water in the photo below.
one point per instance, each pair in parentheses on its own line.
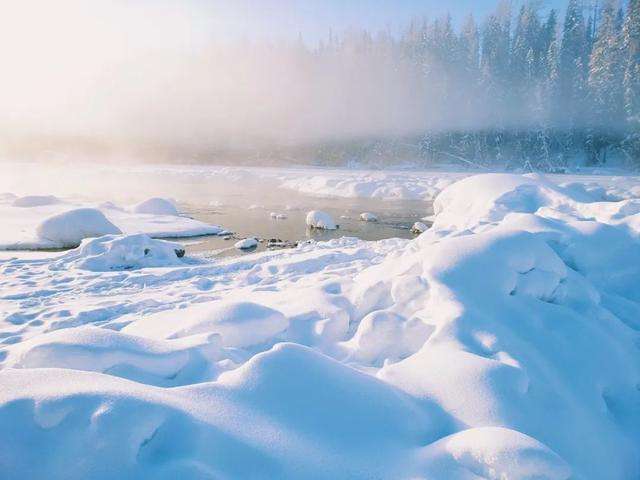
(155,73)
(188,78)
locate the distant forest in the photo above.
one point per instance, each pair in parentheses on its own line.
(525,89)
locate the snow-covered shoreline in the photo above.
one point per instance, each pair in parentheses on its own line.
(502,343)
(36,222)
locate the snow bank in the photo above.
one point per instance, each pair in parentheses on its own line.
(122,252)
(63,224)
(320,220)
(156,206)
(240,324)
(492,453)
(500,343)
(154,362)
(35,201)
(68,229)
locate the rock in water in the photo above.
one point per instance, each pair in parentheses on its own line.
(419,228)
(368,217)
(320,220)
(247,244)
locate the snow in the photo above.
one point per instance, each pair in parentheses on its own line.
(67,229)
(35,201)
(246,243)
(419,227)
(122,252)
(320,220)
(239,324)
(503,342)
(63,224)
(156,206)
(368,217)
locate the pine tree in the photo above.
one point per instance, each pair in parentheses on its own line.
(495,64)
(631,49)
(572,68)
(526,51)
(606,72)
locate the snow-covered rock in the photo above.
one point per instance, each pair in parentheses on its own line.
(368,217)
(35,201)
(419,227)
(156,206)
(320,220)
(246,243)
(123,252)
(69,228)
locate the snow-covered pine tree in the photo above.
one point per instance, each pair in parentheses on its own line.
(606,72)
(571,72)
(631,48)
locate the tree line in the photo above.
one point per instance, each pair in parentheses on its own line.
(527,88)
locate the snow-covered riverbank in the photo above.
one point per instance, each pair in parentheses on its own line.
(502,343)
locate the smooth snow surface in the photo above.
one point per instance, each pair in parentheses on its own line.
(35,201)
(320,220)
(246,243)
(502,343)
(69,228)
(36,222)
(156,206)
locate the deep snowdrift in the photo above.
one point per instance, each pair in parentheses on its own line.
(504,342)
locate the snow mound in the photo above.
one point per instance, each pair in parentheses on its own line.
(35,201)
(493,453)
(320,220)
(155,362)
(368,217)
(246,243)
(69,228)
(240,324)
(123,252)
(384,335)
(156,206)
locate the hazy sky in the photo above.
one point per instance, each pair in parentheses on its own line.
(107,67)
(314,18)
